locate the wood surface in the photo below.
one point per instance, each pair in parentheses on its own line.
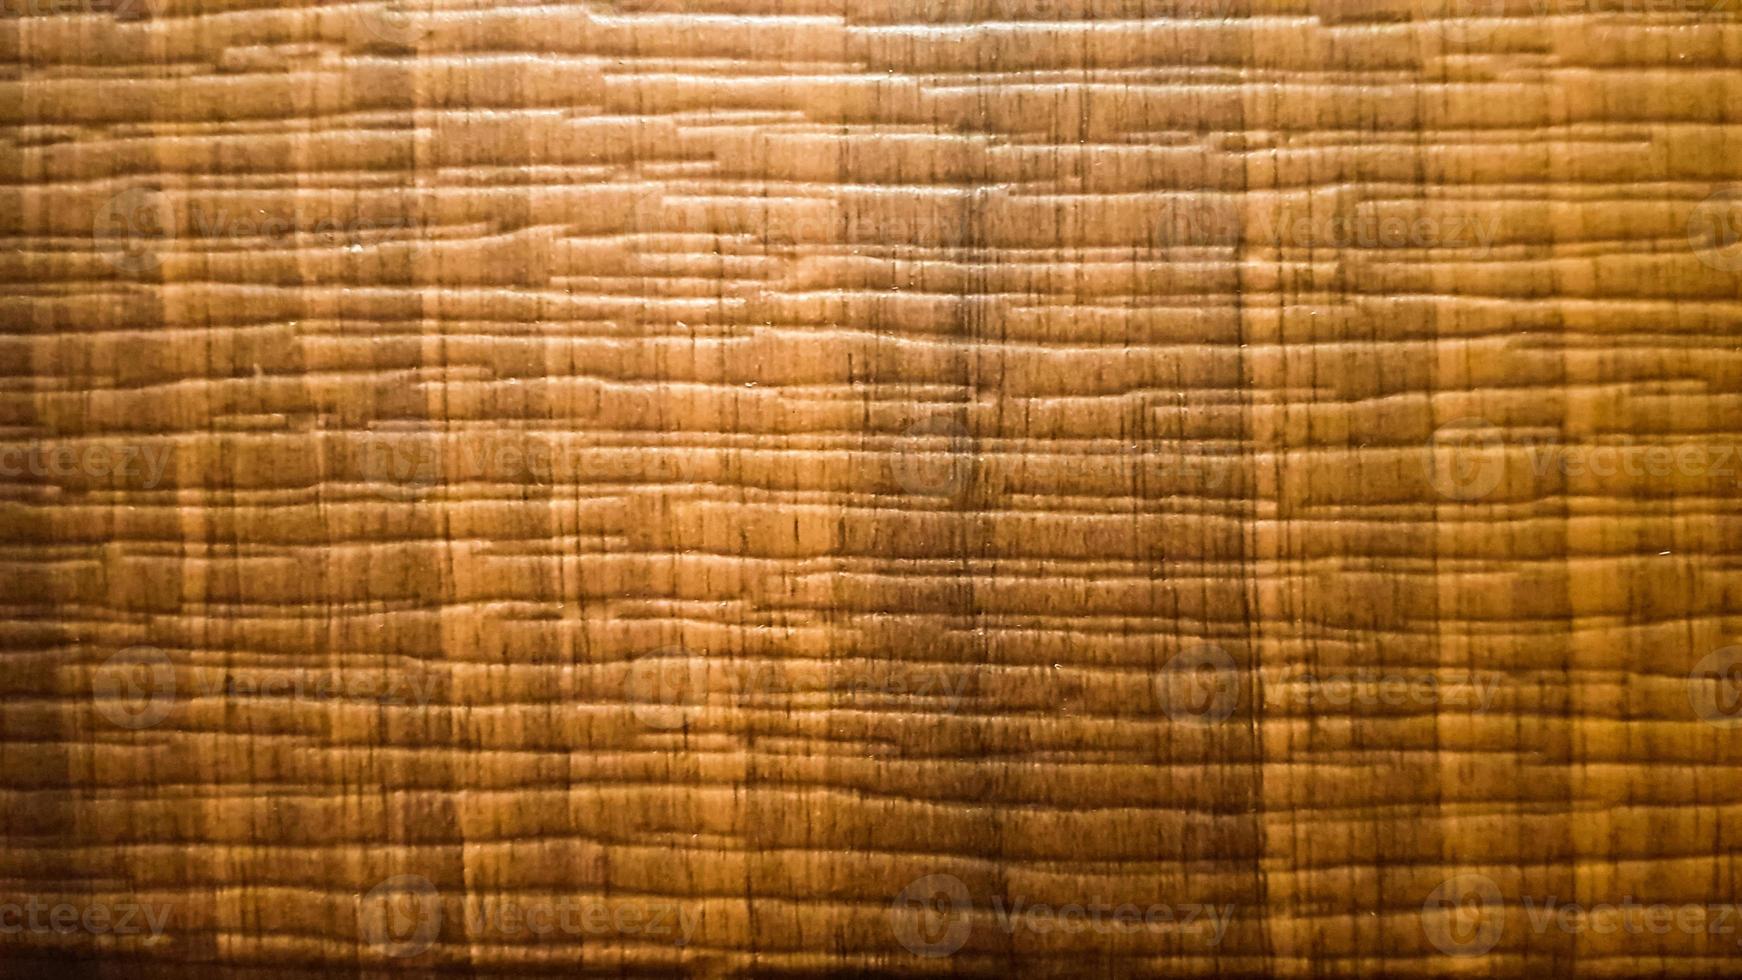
(787,488)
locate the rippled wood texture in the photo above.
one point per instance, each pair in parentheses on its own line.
(791,487)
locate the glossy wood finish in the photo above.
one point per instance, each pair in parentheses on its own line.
(776,487)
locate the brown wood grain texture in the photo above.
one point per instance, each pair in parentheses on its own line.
(759,488)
